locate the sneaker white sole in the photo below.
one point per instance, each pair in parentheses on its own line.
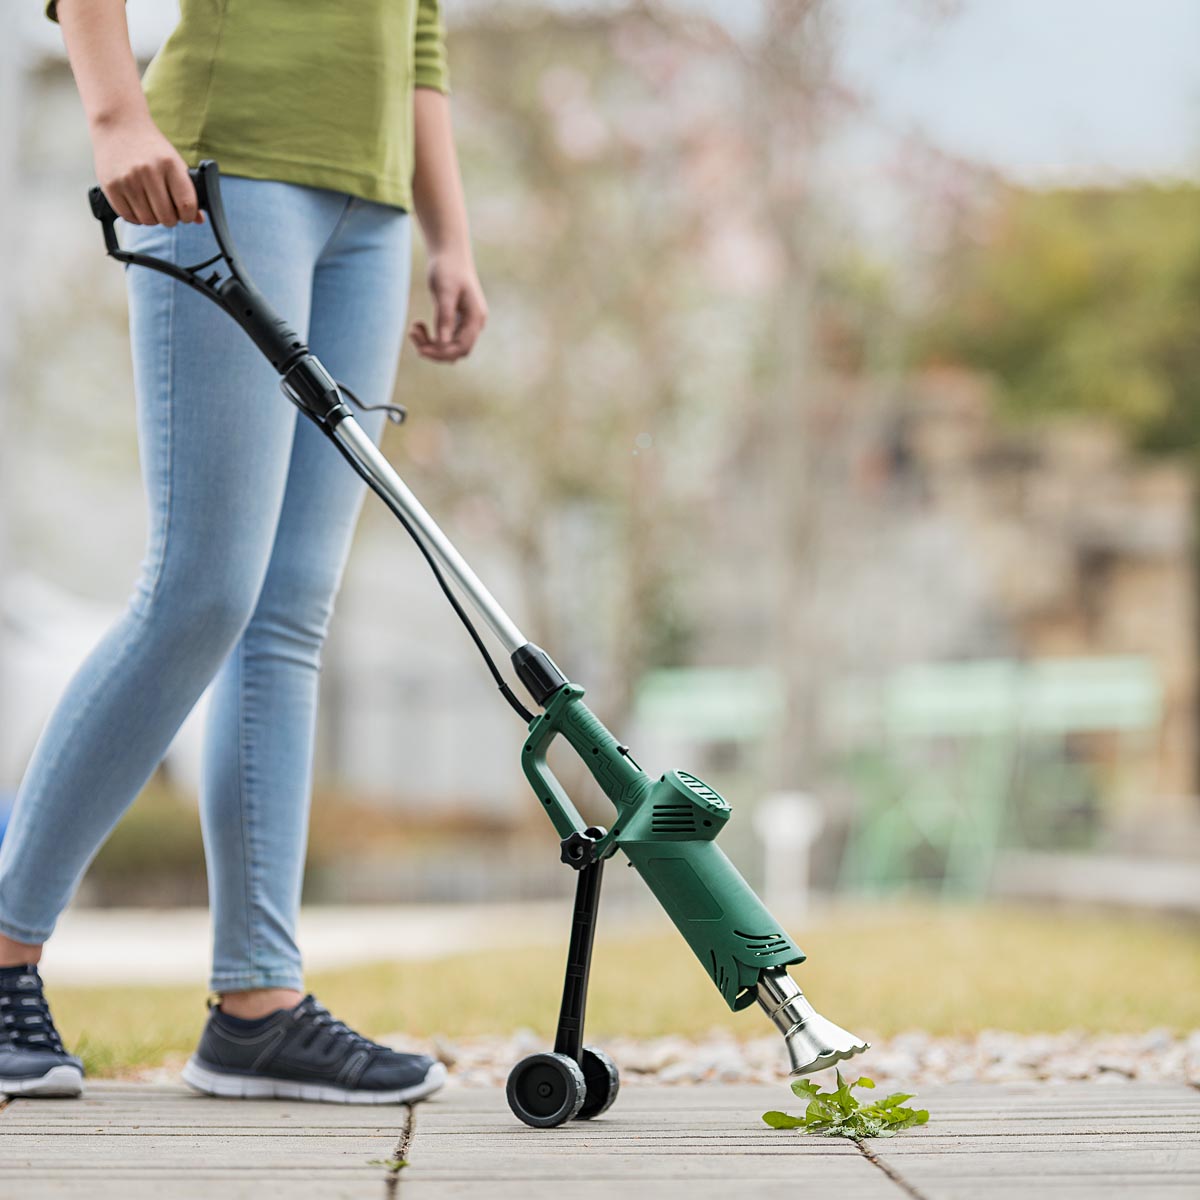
(263,1087)
(60,1080)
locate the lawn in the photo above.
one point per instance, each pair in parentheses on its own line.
(876,970)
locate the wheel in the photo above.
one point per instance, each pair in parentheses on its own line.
(603,1083)
(546,1090)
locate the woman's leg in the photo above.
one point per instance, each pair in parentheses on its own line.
(214,438)
(258,752)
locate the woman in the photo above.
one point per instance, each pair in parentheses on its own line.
(331,124)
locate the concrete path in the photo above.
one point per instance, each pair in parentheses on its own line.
(148,1142)
(138,945)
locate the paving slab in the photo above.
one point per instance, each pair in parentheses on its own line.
(143,1141)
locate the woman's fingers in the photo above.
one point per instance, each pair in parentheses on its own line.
(159,198)
(183,192)
(130,201)
(456,335)
(446,314)
(429,347)
(473,317)
(120,202)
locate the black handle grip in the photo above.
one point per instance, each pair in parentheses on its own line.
(102,210)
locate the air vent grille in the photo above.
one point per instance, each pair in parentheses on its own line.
(673,818)
(701,790)
(763,945)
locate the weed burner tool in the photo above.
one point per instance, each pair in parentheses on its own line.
(665,826)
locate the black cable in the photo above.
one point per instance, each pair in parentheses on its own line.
(507,692)
(396,412)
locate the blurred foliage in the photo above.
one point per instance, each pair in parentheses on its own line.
(154,856)
(975,968)
(357,850)
(1084,300)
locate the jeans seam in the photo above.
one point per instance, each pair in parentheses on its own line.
(169,349)
(19,933)
(339,225)
(233,981)
(249,880)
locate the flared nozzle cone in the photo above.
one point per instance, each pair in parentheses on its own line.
(813,1043)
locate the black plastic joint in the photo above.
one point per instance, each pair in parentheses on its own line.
(578,849)
(538,672)
(311,388)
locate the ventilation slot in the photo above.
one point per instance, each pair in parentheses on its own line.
(673,818)
(763,945)
(699,787)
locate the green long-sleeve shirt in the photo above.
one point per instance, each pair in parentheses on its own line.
(317,92)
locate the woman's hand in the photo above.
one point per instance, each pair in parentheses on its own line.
(459,309)
(143,175)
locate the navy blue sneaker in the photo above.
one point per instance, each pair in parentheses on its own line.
(32,1059)
(303,1053)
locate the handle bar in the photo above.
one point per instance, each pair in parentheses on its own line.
(305,381)
(227,284)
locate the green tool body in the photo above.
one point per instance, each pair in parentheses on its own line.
(666,828)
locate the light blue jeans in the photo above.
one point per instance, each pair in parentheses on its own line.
(251,513)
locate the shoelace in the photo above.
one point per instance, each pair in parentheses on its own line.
(327,1027)
(25,1015)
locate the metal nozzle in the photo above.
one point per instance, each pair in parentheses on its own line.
(812,1042)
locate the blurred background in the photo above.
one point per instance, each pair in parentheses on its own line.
(837,425)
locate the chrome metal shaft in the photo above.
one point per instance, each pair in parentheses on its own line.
(351,435)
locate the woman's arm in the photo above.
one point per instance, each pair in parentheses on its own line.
(139,171)
(460,310)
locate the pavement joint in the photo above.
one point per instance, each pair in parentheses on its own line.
(891,1173)
(402,1155)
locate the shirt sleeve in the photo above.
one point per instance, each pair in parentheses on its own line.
(429,58)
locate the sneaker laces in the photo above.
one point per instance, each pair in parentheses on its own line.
(25,1019)
(326,1027)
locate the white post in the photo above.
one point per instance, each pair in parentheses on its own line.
(788,824)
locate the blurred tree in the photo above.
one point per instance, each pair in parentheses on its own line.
(586,243)
(639,199)
(674,313)
(1085,300)
(787,114)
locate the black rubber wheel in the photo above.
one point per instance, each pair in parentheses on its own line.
(603,1083)
(546,1090)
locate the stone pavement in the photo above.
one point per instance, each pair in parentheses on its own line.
(142,1141)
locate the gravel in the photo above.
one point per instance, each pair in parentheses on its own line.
(908,1059)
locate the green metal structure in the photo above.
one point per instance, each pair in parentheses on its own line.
(945,749)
